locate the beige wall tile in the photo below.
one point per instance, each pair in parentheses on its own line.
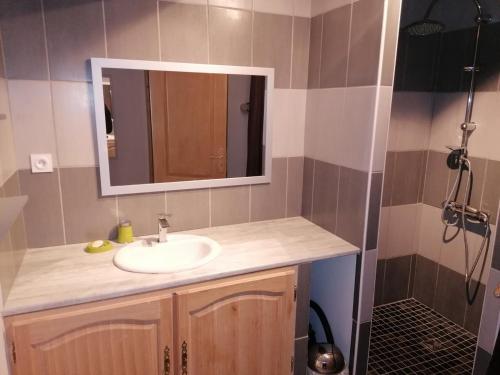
(325,195)
(382,127)
(230,205)
(188,209)
(334,50)
(436,179)
(183,32)
(272,45)
(430,234)
(237,4)
(19,240)
(23,39)
(75,32)
(315,52)
(402,223)
(364,49)
(302,8)
(43,202)
(323,6)
(75,123)
(268,201)
(230,35)
(132,29)
(87,216)
(300,52)
(8,164)
(491,193)
(7,266)
(143,211)
(283,7)
(32,120)
(294,186)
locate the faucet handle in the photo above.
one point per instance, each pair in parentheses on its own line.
(162,220)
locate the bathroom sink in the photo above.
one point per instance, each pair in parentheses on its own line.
(180,253)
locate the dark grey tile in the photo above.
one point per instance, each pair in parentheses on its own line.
(491,194)
(436,179)
(397,278)
(425,280)
(379,282)
(132,29)
(482,362)
(2,55)
(143,211)
(303,285)
(450,295)
(363,347)
(315,52)
(352,349)
(23,39)
(388,178)
(300,356)
(334,47)
(300,52)
(189,209)
(87,215)
(325,195)
(473,312)
(407,178)
(374,211)
(357,283)
(352,205)
(411,282)
(75,33)
(495,263)
(43,204)
(364,49)
(307,188)
(294,186)
(230,205)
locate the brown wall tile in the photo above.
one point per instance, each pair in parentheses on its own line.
(189,209)
(294,186)
(42,213)
(132,29)
(303,298)
(307,188)
(449,299)
(230,42)
(408,177)
(272,45)
(23,39)
(183,32)
(374,211)
(87,216)
(300,356)
(12,186)
(491,193)
(436,179)
(19,240)
(315,52)
(230,205)
(397,278)
(75,32)
(390,160)
(325,196)
(366,30)
(473,312)
(142,210)
(352,204)
(300,52)
(379,282)
(334,48)
(7,266)
(268,201)
(425,280)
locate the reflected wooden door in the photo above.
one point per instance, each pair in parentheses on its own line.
(127,336)
(189,125)
(242,326)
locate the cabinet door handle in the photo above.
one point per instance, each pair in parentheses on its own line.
(184,358)
(166,361)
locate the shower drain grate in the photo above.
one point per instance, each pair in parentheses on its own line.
(410,338)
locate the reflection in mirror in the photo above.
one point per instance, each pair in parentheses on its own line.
(167,126)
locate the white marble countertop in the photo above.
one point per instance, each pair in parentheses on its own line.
(66,275)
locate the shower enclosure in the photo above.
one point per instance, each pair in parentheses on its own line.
(441,189)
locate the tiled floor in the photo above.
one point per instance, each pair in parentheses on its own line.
(410,338)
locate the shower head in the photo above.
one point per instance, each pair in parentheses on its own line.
(424,28)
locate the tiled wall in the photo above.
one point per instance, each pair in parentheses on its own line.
(52,105)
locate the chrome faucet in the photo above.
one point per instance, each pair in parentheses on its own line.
(163,226)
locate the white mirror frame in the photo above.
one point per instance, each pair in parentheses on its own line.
(98,64)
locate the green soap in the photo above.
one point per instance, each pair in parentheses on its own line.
(106,246)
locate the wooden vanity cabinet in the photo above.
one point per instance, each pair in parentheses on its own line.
(242,325)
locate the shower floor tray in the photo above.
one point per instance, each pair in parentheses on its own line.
(408,337)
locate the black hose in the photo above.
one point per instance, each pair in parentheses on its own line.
(324,321)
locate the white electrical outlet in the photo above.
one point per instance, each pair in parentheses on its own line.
(41,163)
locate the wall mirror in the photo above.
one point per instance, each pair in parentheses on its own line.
(172,126)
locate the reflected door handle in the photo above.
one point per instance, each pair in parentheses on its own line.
(497,291)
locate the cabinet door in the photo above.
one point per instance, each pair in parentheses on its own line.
(126,336)
(240,326)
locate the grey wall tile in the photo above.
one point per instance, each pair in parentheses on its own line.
(369,284)
(2,55)
(379,282)
(87,216)
(230,42)
(142,210)
(230,205)
(436,179)
(479,176)
(481,362)
(364,50)
(363,347)
(189,209)
(23,39)
(43,202)
(294,186)
(408,177)
(300,364)
(424,286)
(307,188)
(132,29)
(397,278)
(303,285)
(473,312)
(334,48)
(300,52)
(491,194)
(272,45)
(75,32)
(325,195)
(183,32)
(315,52)
(12,186)
(450,295)
(374,211)
(388,178)
(268,201)
(352,205)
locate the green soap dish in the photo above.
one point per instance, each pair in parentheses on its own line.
(99,246)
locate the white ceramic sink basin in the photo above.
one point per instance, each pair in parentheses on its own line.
(181,252)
